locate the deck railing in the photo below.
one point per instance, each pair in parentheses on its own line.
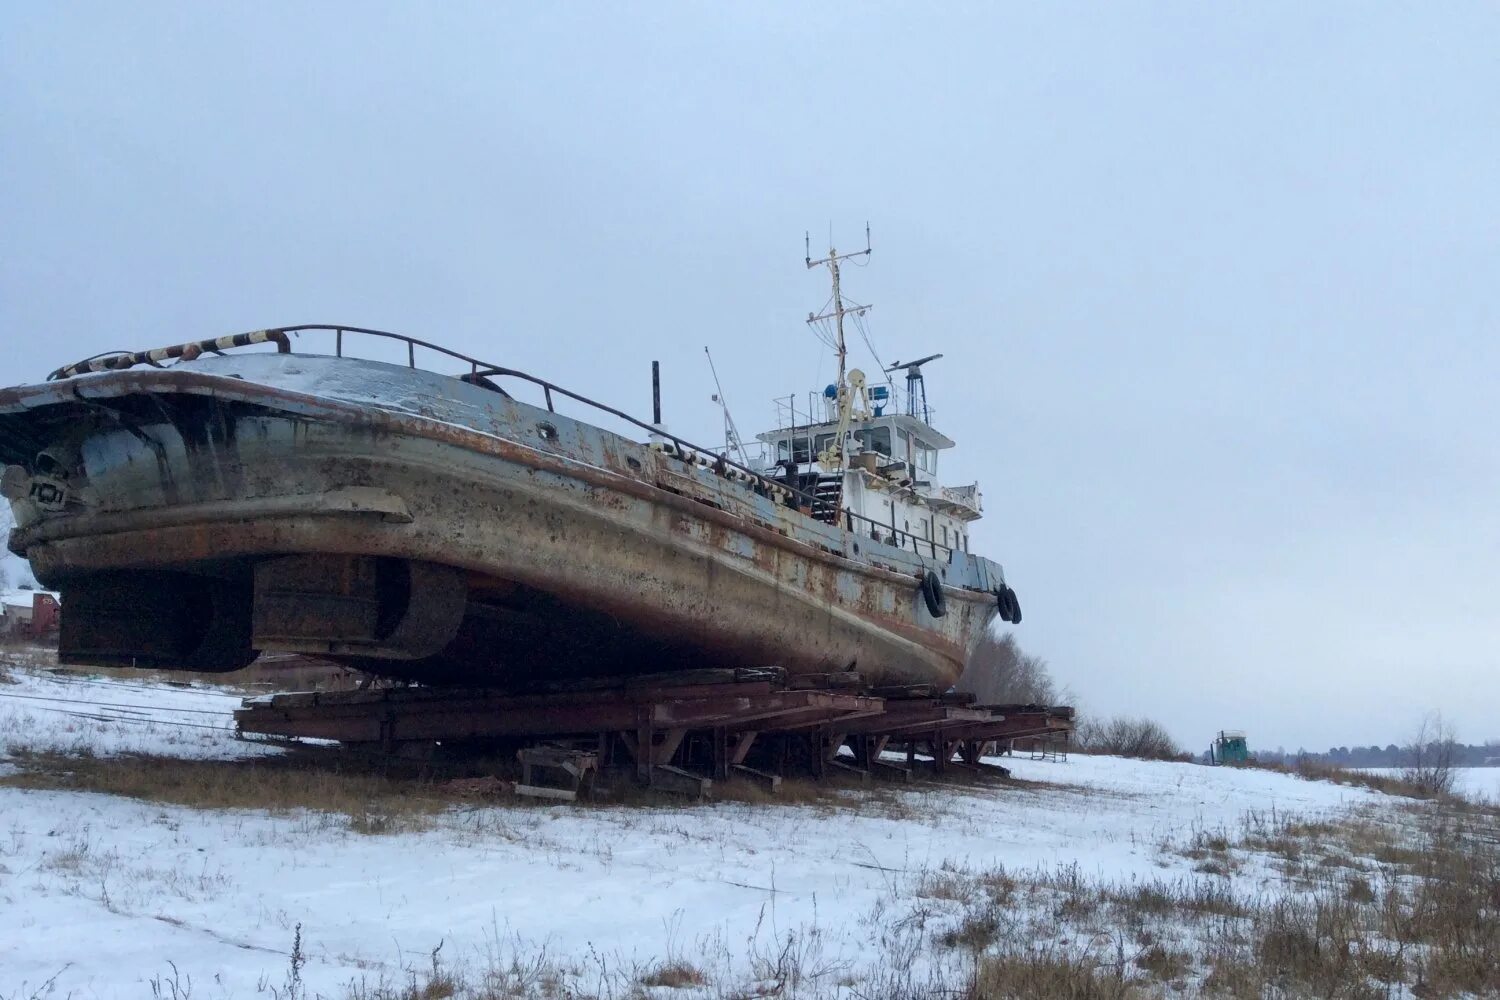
(479,372)
(882,532)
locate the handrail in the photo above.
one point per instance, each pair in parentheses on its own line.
(933,545)
(119,360)
(477,369)
(685,450)
(484,369)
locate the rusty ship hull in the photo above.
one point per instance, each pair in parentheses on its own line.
(433,529)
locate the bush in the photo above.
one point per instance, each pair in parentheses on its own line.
(1433,753)
(1126,737)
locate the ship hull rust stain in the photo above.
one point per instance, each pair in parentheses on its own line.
(209,465)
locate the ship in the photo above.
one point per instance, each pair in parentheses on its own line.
(441,520)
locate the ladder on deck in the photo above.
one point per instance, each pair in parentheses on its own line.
(828,498)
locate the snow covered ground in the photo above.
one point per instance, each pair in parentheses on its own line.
(99,895)
(64,712)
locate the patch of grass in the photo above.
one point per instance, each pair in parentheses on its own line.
(1311,770)
(1395,900)
(1049,974)
(976,931)
(674,975)
(372,802)
(1165,964)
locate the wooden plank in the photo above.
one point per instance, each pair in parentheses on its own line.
(666,778)
(770,782)
(845,769)
(662,752)
(890,771)
(745,739)
(543,792)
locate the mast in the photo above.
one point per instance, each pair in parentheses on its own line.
(838,311)
(833,459)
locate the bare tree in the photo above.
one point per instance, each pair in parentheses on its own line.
(1001,673)
(1432,756)
(1126,737)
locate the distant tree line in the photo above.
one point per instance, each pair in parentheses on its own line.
(1486,754)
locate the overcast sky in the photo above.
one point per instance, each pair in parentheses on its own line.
(1216,284)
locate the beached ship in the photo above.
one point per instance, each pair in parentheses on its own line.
(272,491)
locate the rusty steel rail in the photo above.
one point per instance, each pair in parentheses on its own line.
(686,450)
(119,360)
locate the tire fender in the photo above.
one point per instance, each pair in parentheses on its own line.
(932,593)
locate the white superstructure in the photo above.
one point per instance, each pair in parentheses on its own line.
(868,454)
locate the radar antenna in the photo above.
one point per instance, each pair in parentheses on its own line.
(915,384)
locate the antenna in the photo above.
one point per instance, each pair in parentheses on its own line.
(838,312)
(915,385)
(834,457)
(731,432)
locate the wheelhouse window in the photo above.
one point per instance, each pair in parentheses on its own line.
(796,449)
(876,439)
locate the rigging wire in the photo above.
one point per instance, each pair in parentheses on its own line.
(864,334)
(130,720)
(110,704)
(731,432)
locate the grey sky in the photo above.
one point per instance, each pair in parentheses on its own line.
(1216,284)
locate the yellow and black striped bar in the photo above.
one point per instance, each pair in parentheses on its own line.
(189,351)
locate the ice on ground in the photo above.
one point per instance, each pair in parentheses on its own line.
(100,895)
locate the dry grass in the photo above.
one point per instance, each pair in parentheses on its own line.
(17,652)
(375,794)
(1404,901)
(1048,973)
(674,975)
(1389,900)
(1386,784)
(373,801)
(1386,902)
